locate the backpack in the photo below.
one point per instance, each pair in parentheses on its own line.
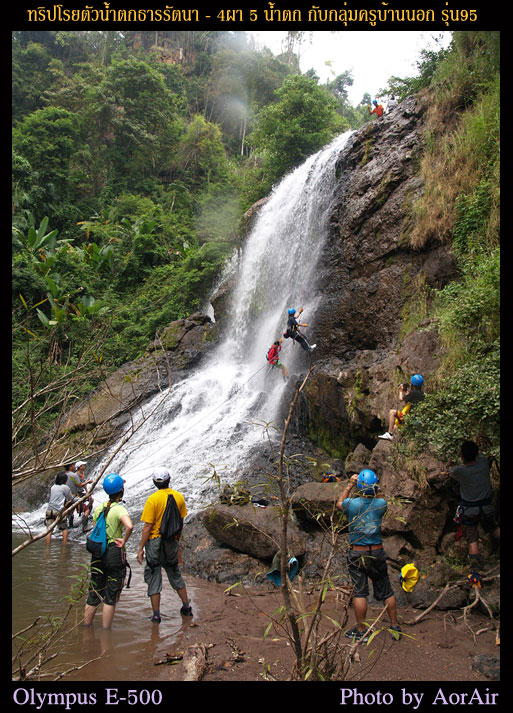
(170,526)
(96,542)
(172,521)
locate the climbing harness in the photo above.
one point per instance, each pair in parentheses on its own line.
(475,579)
(401,414)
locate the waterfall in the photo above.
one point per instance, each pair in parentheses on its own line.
(214,417)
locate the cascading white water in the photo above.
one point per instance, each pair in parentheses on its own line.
(214,417)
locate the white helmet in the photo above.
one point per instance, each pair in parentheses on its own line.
(161,475)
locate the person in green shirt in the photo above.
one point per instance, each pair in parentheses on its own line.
(108,572)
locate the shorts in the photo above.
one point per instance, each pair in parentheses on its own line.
(51,516)
(107,576)
(363,565)
(154,564)
(473,516)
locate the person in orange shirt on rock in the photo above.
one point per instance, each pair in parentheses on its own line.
(378,109)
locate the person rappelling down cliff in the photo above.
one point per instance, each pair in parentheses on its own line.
(273,357)
(293,331)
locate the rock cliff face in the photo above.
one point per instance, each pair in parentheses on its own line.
(368,277)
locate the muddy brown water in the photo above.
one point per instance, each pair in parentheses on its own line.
(42,579)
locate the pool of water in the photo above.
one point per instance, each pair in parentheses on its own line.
(43,577)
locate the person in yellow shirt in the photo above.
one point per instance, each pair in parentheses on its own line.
(150,545)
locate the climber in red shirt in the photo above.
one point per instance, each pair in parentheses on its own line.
(274,361)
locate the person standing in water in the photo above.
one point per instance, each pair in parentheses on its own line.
(150,545)
(108,572)
(60,498)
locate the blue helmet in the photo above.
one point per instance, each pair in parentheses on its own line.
(291,311)
(417,380)
(367,482)
(113,484)
(375,102)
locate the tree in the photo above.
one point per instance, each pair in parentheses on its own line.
(136,110)
(298,125)
(353,116)
(201,156)
(31,75)
(47,139)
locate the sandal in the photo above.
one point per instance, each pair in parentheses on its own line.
(357,635)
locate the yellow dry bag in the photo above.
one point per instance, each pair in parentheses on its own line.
(409,577)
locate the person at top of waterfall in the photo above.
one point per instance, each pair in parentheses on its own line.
(274,359)
(410,394)
(293,331)
(150,545)
(378,108)
(392,103)
(107,575)
(60,498)
(366,557)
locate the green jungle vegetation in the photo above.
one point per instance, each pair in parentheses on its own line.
(135,156)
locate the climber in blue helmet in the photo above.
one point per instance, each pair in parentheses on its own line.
(108,572)
(366,556)
(378,109)
(411,395)
(293,331)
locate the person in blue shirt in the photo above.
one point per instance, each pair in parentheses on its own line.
(366,557)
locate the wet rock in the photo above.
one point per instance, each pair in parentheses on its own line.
(314,504)
(488,665)
(177,349)
(358,460)
(252,530)
(204,557)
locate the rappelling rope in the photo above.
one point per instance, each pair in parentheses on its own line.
(209,413)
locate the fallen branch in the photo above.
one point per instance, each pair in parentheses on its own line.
(448,587)
(170,659)
(431,606)
(195,662)
(74,668)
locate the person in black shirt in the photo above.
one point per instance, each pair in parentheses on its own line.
(476,498)
(410,396)
(294,333)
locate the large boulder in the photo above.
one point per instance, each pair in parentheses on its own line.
(416,511)
(204,557)
(314,504)
(253,530)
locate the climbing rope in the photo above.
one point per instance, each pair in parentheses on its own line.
(202,418)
